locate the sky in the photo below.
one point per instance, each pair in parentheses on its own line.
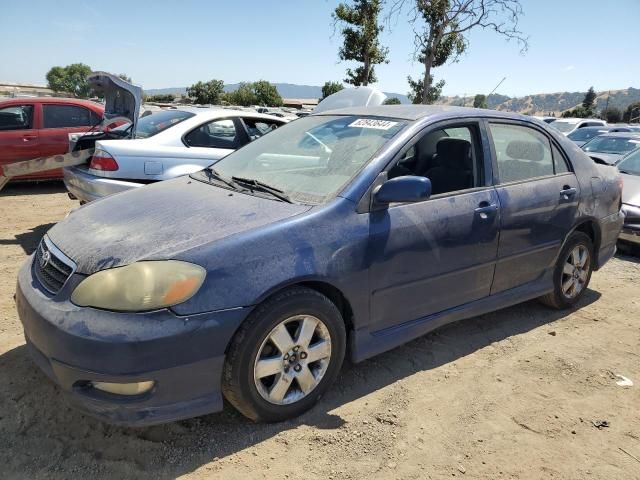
(573,44)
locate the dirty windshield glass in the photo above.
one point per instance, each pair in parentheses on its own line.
(630,164)
(312,158)
(156,122)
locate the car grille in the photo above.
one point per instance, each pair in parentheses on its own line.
(51,266)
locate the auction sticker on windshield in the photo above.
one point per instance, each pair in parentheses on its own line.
(373,123)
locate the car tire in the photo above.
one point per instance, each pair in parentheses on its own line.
(572,272)
(262,362)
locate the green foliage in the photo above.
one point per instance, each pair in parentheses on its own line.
(632,113)
(206,92)
(125,77)
(589,99)
(392,101)
(361,43)
(161,98)
(416,95)
(480,101)
(71,79)
(579,112)
(329,88)
(612,115)
(254,93)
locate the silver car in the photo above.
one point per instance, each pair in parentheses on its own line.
(629,167)
(166,144)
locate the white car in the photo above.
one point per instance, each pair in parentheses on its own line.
(568,125)
(166,144)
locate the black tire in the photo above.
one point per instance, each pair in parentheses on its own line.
(238,384)
(557,298)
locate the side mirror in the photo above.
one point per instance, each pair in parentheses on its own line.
(403,190)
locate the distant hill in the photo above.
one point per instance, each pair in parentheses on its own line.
(545,103)
(286,90)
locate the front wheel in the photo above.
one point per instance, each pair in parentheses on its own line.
(284,356)
(572,272)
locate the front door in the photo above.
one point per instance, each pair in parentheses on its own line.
(538,197)
(438,254)
(18,135)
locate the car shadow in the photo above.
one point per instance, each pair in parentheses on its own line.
(36,187)
(28,240)
(44,432)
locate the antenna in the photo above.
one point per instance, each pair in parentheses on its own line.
(496,87)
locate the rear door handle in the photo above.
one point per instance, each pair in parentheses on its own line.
(568,192)
(486,210)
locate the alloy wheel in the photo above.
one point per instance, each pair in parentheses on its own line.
(575,271)
(292,359)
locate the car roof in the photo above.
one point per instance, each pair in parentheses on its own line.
(416,112)
(77,101)
(204,113)
(621,134)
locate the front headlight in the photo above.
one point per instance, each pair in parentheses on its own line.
(140,286)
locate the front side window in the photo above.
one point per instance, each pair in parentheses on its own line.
(257,127)
(446,156)
(66,116)
(220,133)
(312,158)
(614,145)
(16,117)
(522,153)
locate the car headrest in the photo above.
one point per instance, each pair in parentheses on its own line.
(523,150)
(454,153)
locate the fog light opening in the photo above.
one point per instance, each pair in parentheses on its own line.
(129,389)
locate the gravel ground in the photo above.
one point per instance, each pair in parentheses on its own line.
(514,394)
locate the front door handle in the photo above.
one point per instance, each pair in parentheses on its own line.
(486,210)
(28,138)
(568,192)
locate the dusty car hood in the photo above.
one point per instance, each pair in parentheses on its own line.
(631,189)
(160,221)
(608,158)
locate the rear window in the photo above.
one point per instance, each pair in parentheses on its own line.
(67,116)
(155,123)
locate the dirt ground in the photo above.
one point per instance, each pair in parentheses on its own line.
(516,394)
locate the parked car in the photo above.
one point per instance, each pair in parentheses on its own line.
(608,148)
(568,125)
(167,144)
(347,232)
(629,167)
(583,135)
(40,127)
(545,119)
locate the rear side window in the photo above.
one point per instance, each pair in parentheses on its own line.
(216,134)
(559,162)
(66,116)
(257,127)
(16,117)
(522,153)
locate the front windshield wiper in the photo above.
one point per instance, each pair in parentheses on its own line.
(212,174)
(263,187)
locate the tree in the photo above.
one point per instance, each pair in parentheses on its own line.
(589,101)
(361,44)
(417,95)
(266,94)
(329,88)
(632,113)
(480,101)
(578,112)
(161,98)
(392,101)
(125,77)
(243,95)
(71,79)
(612,115)
(445,25)
(206,92)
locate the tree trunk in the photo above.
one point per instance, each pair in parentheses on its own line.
(367,68)
(426,81)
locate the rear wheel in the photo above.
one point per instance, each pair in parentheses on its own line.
(572,272)
(284,356)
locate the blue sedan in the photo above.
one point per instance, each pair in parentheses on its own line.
(348,232)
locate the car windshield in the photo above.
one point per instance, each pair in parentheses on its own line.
(584,134)
(150,125)
(611,144)
(311,159)
(563,126)
(630,164)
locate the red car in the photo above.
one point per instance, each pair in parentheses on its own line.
(39,127)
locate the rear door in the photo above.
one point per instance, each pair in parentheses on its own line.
(18,133)
(215,139)
(58,120)
(539,197)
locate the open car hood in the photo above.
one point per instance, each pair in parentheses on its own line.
(352,97)
(121,99)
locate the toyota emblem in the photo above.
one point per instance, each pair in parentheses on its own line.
(44,259)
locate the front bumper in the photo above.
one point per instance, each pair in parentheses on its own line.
(87,187)
(74,346)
